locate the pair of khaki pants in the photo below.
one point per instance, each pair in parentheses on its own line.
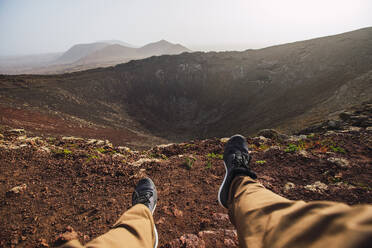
(262,219)
(134,229)
(265,219)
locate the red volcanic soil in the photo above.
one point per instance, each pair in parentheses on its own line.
(88,184)
(46,124)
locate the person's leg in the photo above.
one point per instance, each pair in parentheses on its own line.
(136,227)
(265,219)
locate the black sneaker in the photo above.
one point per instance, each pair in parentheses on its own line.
(236,160)
(145,193)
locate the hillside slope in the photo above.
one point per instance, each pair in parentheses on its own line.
(50,183)
(202,95)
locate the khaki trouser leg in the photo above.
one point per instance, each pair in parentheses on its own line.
(265,219)
(135,228)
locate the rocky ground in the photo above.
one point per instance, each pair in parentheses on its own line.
(50,183)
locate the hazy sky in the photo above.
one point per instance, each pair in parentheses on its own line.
(41,26)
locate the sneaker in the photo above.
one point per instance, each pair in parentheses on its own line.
(236,160)
(146,194)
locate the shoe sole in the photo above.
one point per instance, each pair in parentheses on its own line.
(156,231)
(223,183)
(156,237)
(152,213)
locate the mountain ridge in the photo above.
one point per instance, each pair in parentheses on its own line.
(117,53)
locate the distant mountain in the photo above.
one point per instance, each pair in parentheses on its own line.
(92,55)
(79,51)
(160,48)
(116,53)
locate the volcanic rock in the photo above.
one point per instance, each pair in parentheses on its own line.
(341,162)
(17,190)
(316,187)
(18,131)
(288,186)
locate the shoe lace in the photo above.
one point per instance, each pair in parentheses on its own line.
(241,160)
(143,197)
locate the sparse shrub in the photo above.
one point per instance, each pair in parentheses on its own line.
(155,155)
(102,150)
(263,147)
(67,151)
(338,149)
(252,146)
(334,179)
(215,156)
(71,145)
(324,146)
(310,136)
(189,162)
(261,162)
(208,165)
(50,139)
(301,145)
(91,157)
(62,153)
(106,151)
(291,148)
